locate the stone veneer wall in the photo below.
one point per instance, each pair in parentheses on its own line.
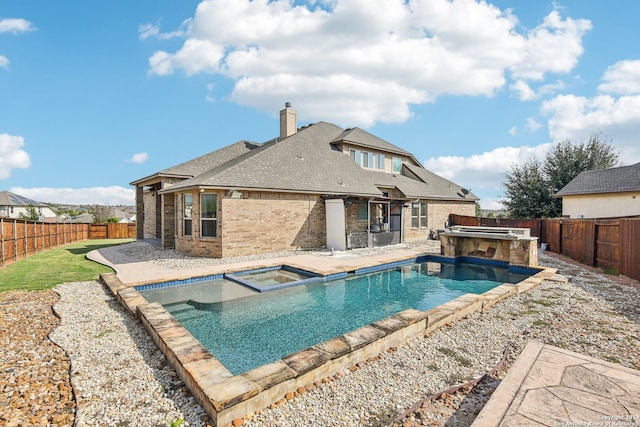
(516,252)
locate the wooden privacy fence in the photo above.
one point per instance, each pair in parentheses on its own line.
(22,238)
(603,243)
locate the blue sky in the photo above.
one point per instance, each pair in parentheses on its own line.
(94,95)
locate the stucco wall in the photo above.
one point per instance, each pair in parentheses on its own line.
(601,205)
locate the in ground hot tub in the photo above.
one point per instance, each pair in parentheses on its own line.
(512,245)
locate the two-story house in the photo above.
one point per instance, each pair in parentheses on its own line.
(318,186)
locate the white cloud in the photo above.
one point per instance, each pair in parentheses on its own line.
(532,124)
(492,203)
(576,118)
(524,91)
(112,195)
(343,55)
(513,131)
(139,158)
(12,156)
(194,57)
(150,30)
(552,47)
(15,25)
(485,170)
(622,78)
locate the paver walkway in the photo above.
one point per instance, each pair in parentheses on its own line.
(549,386)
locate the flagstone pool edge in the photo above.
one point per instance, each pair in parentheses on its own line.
(226,397)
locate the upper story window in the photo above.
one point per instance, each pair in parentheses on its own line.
(366,159)
(187,210)
(396,165)
(208,215)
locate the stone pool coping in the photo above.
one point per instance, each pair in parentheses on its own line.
(226,397)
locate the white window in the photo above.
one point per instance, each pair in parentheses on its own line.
(419,215)
(187,209)
(355,156)
(208,215)
(397,165)
(366,163)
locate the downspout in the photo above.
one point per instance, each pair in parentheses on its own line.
(309,221)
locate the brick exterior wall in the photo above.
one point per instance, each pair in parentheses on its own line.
(437,215)
(258,222)
(149,223)
(270,222)
(266,222)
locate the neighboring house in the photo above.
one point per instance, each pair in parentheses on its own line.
(14,206)
(319,186)
(606,193)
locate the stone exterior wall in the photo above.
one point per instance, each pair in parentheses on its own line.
(516,252)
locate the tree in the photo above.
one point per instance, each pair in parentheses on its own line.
(478,210)
(31,215)
(101,213)
(530,187)
(527,191)
(567,161)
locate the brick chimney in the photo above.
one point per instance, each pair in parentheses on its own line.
(288,121)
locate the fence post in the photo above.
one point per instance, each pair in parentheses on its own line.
(2,238)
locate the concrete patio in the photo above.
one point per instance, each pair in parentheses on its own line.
(549,386)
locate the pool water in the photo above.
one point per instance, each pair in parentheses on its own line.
(248,332)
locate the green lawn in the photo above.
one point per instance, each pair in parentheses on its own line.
(54,266)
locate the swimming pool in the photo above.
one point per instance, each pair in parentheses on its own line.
(253,329)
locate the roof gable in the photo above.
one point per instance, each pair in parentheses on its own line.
(359,137)
(436,186)
(613,180)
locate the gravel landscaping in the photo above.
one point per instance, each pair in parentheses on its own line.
(120,378)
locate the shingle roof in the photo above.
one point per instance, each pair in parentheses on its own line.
(308,161)
(304,161)
(614,180)
(361,138)
(11,199)
(434,186)
(205,162)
